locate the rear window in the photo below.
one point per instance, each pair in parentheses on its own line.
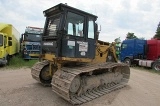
(53,24)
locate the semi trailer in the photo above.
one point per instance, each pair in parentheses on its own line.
(141,52)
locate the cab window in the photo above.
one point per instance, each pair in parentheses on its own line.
(91,29)
(5,41)
(52,25)
(75,24)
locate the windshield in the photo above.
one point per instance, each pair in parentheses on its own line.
(32,37)
(52,25)
(74,24)
(1,40)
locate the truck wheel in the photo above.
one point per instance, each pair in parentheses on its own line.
(26,59)
(156,66)
(8,59)
(127,61)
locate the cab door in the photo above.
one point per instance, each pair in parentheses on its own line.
(91,38)
(79,40)
(74,38)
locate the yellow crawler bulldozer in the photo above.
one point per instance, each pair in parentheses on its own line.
(77,65)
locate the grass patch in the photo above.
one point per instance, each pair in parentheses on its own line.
(147,69)
(18,62)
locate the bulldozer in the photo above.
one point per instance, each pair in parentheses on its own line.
(77,65)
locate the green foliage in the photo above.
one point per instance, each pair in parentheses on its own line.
(18,62)
(130,36)
(117,46)
(157,35)
(117,40)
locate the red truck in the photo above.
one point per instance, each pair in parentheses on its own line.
(153,49)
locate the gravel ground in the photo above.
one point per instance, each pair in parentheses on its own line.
(17,88)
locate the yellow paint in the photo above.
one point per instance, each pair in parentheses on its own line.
(2,51)
(102,51)
(37,55)
(49,57)
(50,69)
(7,30)
(101,54)
(52,57)
(74,59)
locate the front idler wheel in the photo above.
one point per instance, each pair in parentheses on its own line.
(45,75)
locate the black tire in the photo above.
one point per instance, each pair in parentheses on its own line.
(127,61)
(26,59)
(156,66)
(8,60)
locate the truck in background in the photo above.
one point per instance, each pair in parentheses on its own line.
(141,52)
(30,42)
(9,42)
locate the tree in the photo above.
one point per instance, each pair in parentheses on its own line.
(130,36)
(142,38)
(157,35)
(117,46)
(118,40)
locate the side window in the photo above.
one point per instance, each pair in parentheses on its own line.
(70,29)
(74,24)
(52,26)
(91,29)
(124,46)
(5,41)
(1,40)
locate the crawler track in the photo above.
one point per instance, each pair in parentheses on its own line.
(63,79)
(36,69)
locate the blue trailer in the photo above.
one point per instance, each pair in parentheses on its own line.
(30,43)
(132,50)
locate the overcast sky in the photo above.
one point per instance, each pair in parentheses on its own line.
(116,17)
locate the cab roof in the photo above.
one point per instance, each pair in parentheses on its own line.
(62,7)
(3,26)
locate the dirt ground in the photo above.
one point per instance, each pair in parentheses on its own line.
(17,88)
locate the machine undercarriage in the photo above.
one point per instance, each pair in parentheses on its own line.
(84,83)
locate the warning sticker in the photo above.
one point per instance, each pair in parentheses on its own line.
(83,46)
(71,43)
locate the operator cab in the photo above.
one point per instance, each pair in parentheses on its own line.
(69,32)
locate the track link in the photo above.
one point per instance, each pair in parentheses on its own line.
(36,69)
(93,94)
(62,81)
